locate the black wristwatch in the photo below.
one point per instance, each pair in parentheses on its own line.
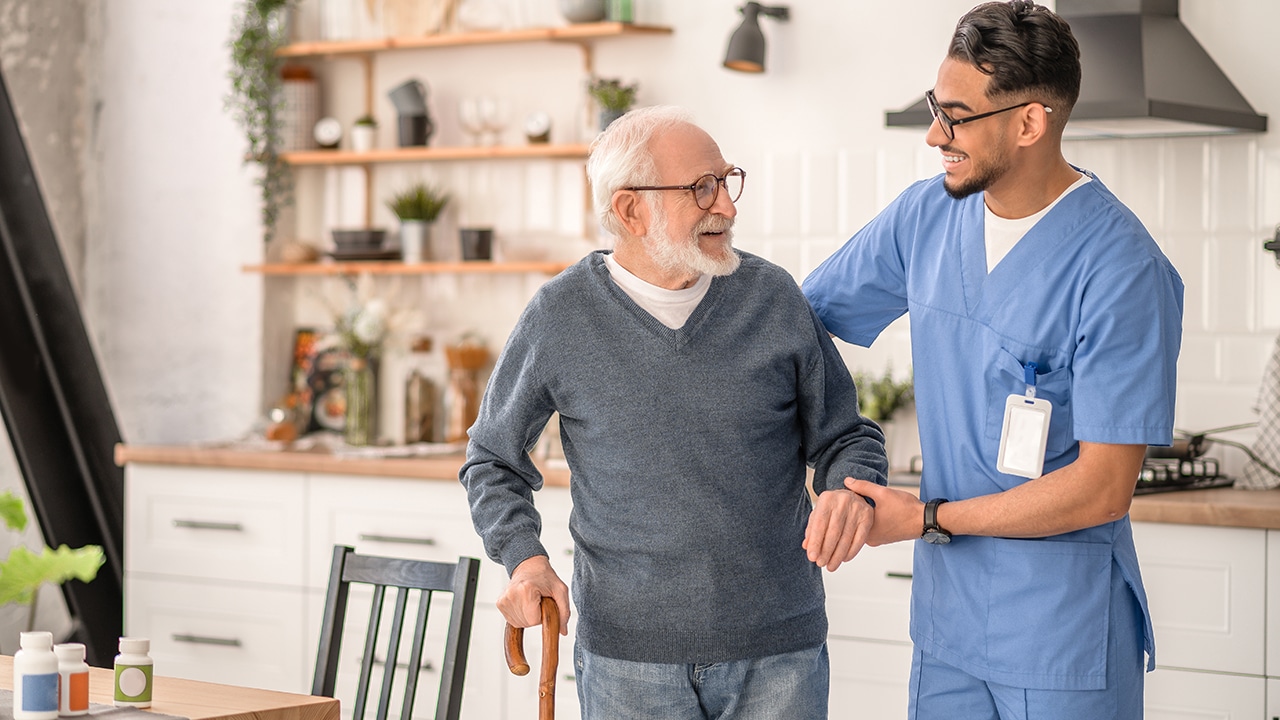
(933,532)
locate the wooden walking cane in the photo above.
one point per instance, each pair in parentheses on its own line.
(516,662)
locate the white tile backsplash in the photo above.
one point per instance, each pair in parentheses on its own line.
(1187,177)
(1230,295)
(1233,186)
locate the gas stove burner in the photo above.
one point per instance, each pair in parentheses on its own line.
(1169,474)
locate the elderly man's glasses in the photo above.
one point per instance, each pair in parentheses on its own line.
(948,125)
(706,188)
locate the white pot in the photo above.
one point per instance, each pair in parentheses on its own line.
(413,241)
(362,137)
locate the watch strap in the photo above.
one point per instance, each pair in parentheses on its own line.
(931,514)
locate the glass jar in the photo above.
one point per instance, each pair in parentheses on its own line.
(361,388)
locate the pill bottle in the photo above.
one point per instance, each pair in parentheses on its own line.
(133,673)
(35,678)
(73,680)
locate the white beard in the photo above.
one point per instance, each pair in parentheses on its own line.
(685,255)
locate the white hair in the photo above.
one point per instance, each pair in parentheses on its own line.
(621,157)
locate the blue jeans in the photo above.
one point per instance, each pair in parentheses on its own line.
(790,686)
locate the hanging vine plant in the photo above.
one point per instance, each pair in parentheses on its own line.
(258,32)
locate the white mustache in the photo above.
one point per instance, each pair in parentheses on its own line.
(713,224)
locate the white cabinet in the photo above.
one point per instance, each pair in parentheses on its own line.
(1186,695)
(1206,587)
(869,611)
(226,569)
(869,679)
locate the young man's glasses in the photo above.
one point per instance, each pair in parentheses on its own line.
(706,188)
(948,125)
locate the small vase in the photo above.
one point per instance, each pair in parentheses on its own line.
(361,389)
(608,116)
(413,240)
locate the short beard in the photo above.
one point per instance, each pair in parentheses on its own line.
(685,255)
(984,177)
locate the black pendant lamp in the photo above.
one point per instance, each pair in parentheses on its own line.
(746,45)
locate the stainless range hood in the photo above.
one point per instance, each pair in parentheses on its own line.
(1144,75)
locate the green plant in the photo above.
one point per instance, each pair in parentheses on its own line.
(23,572)
(879,398)
(256,100)
(366,120)
(612,94)
(419,202)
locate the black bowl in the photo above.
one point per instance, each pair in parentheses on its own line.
(364,239)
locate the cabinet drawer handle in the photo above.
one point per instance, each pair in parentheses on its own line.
(204,640)
(427,666)
(207,525)
(898,575)
(370,537)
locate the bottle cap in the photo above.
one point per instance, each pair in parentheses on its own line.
(69,652)
(135,646)
(38,640)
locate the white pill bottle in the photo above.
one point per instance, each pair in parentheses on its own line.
(133,673)
(35,678)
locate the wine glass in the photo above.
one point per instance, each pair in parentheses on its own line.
(495,115)
(472,119)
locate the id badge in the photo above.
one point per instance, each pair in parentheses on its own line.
(1024,435)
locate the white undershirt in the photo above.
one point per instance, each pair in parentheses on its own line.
(670,307)
(1002,234)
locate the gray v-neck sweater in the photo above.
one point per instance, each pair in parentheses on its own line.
(687,449)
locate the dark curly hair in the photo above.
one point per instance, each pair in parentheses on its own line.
(1027,50)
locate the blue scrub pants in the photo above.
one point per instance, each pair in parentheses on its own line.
(790,686)
(942,692)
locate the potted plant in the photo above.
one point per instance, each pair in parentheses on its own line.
(259,31)
(614,98)
(362,133)
(24,572)
(879,398)
(416,206)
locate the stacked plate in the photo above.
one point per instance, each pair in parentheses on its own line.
(362,244)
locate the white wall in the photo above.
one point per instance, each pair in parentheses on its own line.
(181,328)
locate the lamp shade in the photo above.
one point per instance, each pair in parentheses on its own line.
(746,45)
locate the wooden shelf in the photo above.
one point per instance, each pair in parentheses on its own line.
(481,267)
(435,154)
(569,33)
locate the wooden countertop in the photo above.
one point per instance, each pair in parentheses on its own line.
(435,467)
(205,701)
(1225,507)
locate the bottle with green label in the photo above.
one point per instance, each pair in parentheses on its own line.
(133,673)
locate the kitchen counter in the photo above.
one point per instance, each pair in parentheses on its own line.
(436,467)
(1223,507)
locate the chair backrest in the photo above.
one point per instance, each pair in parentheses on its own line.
(406,576)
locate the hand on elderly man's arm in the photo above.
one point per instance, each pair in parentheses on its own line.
(838,528)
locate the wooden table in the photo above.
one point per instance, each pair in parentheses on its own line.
(205,701)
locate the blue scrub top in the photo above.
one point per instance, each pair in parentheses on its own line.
(1087,296)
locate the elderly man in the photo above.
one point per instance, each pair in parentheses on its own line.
(693,384)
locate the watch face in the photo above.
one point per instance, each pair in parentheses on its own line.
(936,537)
(328,132)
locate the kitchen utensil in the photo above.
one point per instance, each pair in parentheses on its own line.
(514,647)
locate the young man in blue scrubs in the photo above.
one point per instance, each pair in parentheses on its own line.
(1045,328)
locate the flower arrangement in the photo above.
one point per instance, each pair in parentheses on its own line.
(364,322)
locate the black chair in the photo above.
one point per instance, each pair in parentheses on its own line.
(406,576)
